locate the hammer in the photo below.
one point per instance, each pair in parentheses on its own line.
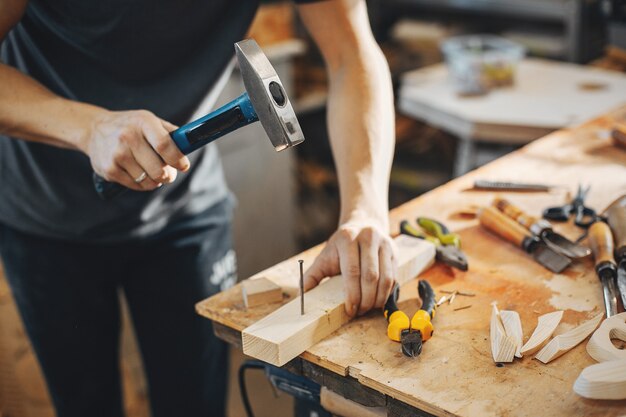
(265,100)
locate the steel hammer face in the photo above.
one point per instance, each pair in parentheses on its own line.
(268,97)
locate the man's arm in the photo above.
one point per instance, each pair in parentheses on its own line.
(361,127)
(120,145)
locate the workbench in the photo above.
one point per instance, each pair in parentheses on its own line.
(455,374)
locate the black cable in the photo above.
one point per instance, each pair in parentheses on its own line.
(250,364)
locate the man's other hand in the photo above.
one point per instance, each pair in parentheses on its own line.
(364,255)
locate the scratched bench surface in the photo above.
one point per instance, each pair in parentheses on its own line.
(455,375)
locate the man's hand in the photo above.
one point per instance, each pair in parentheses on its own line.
(364,255)
(122,145)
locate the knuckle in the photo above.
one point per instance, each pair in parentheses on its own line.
(162,146)
(344,234)
(367,235)
(144,115)
(122,156)
(370,276)
(354,271)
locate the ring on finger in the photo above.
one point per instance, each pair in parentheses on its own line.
(141,177)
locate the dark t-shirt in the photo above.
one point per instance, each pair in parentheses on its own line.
(159,55)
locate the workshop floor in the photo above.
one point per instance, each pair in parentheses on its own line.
(262,399)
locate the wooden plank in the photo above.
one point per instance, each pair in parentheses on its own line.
(285,334)
(258,291)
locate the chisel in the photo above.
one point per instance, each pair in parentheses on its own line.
(485,185)
(543,229)
(506,228)
(616,215)
(601,241)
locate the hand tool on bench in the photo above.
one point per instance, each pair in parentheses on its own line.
(601,241)
(506,228)
(447,245)
(484,185)
(265,100)
(542,229)
(583,216)
(616,215)
(411,333)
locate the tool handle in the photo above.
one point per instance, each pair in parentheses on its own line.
(194,135)
(601,242)
(515,213)
(619,136)
(498,223)
(440,231)
(427,294)
(617,220)
(407,229)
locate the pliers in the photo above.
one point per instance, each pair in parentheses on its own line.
(448,245)
(411,333)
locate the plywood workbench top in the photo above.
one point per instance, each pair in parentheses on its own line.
(455,375)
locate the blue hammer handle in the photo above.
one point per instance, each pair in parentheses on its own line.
(194,135)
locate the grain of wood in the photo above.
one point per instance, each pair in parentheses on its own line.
(513,328)
(260,291)
(285,334)
(600,346)
(603,381)
(566,341)
(546,326)
(502,346)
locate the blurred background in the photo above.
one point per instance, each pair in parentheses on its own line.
(553,63)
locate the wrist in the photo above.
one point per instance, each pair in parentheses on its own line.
(84,119)
(378,216)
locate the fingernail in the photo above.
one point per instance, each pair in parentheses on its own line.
(353,309)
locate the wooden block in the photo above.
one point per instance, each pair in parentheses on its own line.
(260,291)
(566,341)
(285,334)
(513,328)
(600,346)
(603,381)
(546,326)
(502,346)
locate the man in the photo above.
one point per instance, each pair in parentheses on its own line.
(97,85)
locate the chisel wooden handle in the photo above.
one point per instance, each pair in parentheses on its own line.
(617,221)
(498,223)
(619,135)
(601,242)
(514,212)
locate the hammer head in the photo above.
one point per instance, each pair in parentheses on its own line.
(268,96)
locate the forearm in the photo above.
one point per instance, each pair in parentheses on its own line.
(31,112)
(361,127)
